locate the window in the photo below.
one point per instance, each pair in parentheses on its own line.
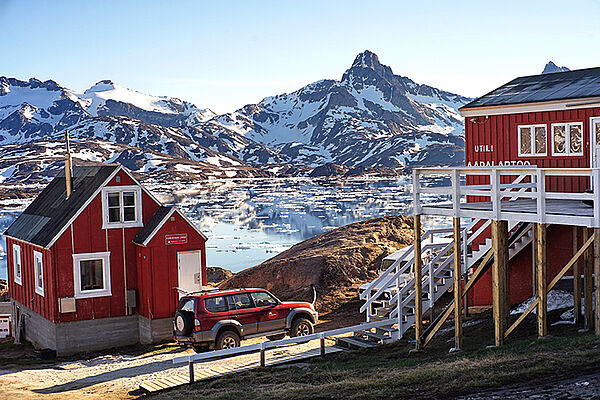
(216,304)
(188,305)
(91,272)
(17,263)
(532,140)
(122,206)
(567,139)
(263,299)
(239,301)
(38,271)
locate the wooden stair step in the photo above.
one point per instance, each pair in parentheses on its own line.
(351,341)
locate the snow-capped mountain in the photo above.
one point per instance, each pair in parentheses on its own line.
(370,117)
(551,68)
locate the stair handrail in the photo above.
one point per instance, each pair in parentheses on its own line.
(390,278)
(408,253)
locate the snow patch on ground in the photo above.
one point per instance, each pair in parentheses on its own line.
(557,299)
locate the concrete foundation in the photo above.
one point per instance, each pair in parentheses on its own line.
(91,335)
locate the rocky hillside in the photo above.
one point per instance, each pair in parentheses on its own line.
(336,262)
(369,118)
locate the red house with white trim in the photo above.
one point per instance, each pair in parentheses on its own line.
(101,266)
(550,121)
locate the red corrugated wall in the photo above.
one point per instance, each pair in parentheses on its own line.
(158,271)
(501,132)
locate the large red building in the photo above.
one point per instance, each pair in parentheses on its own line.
(551,121)
(100,266)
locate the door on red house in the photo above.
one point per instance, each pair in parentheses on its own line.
(189,268)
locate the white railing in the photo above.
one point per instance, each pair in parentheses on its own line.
(528,183)
(264,346)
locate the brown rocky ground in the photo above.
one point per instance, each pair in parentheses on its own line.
(336,262)
(216,275)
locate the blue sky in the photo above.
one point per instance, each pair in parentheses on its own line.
(224,54)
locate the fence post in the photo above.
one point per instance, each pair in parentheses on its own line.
(191,367)
(262,354)
(541,195)
(596,190)
(456,192)
(322,339)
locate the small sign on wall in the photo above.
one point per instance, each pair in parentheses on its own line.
(177,238)
(198,279)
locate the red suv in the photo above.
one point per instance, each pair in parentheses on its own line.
(220,319)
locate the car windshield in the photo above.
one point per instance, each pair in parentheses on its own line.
(263,299)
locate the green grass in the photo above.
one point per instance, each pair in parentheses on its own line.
(391,372)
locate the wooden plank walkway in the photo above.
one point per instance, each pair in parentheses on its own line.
(202,373)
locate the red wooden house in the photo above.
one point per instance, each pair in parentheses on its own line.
(100,265)
(551,121)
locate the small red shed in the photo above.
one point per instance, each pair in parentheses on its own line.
(548,120)
(100,267)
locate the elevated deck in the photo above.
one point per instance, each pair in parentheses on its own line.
(512,194)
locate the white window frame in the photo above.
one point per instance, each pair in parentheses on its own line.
(86,294)
(138,206)
(16,249)
(37,256)
(532,138)
(567,126)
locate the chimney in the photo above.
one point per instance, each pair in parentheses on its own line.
(68,165)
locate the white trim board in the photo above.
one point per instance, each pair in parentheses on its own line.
(165,219)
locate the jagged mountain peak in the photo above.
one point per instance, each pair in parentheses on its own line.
(551,68)
(102,86)
(367,59)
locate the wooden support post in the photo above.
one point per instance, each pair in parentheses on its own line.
(457,286)
(597,280)
(322,340)
(577,242)
(541,294)
(587,283)
(500,248)
(506,285)
(418,289)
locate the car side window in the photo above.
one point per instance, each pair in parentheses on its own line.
(188,305)
(239,301)
(215,304)
(263,299)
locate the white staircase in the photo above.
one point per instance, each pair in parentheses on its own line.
(391,296)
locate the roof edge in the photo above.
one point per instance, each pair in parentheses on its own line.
(553,105)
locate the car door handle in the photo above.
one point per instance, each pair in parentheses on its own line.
(234,317)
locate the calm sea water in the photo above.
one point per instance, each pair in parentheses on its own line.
(251,220)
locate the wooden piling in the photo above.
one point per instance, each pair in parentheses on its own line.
(500,249)
(541,293)
(587,283)
(457,286)
(418,263)
(577,268)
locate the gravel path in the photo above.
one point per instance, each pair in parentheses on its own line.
(111,376)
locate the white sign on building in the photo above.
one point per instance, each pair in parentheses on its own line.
(4,325)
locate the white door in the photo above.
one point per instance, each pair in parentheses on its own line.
(595,142)
(189,266)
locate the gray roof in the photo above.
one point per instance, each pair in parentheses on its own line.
(151,225)
(47,215)
(578,84)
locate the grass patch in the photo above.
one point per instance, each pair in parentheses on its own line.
(390,372)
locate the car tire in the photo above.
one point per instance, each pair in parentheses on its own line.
(276,337)
(301,327)
(227,340)
(184,323)
(200,348)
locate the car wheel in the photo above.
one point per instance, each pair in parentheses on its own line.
(183,323)
(276,337)
(302,327)
(227,340)
(200,348)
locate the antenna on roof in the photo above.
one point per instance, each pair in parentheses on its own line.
(68,165)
